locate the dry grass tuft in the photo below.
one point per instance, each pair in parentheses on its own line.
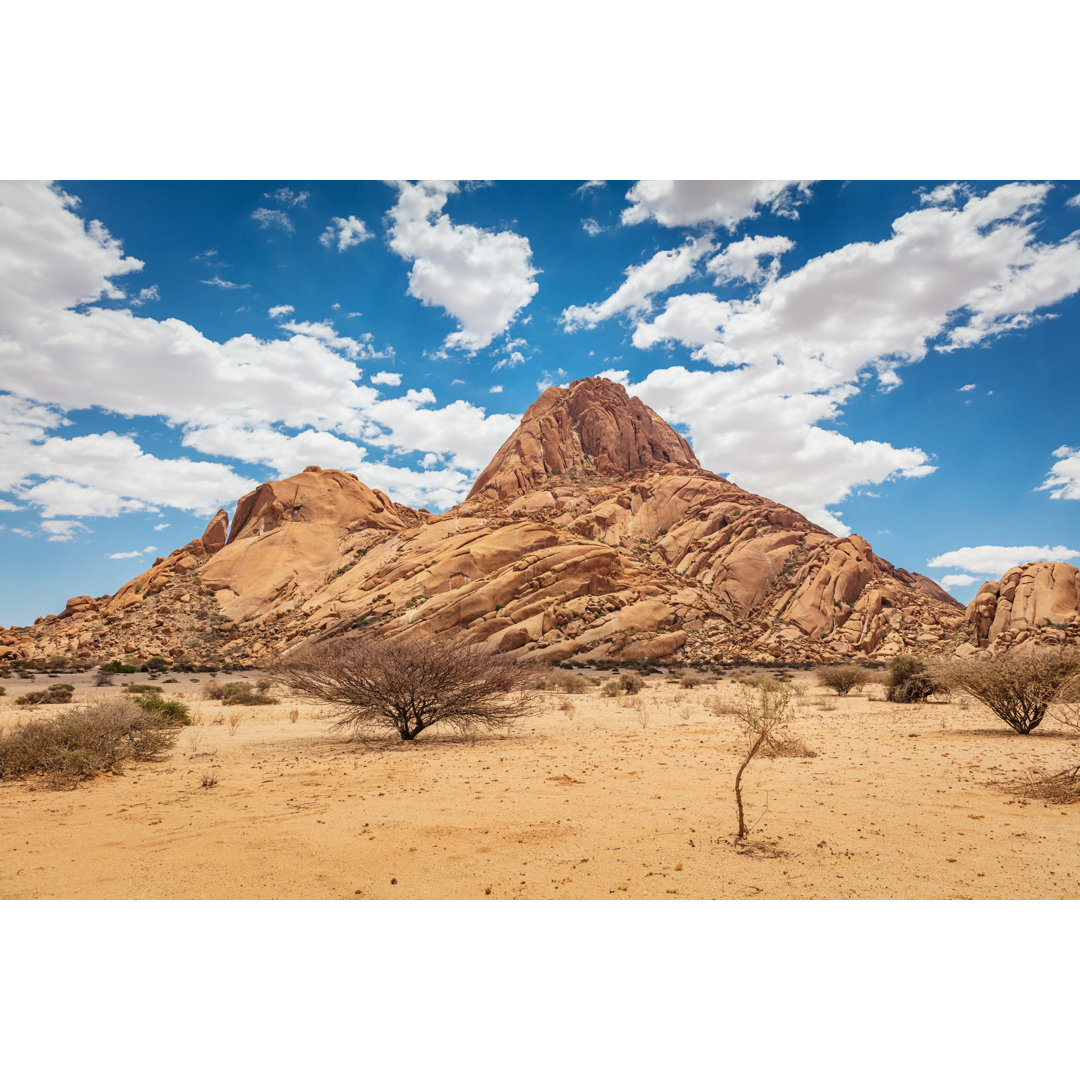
(1060,787)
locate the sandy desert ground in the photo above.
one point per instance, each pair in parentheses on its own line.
(586,798)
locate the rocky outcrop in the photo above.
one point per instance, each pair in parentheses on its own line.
(594,426)
(1034,604)
(594,533)
(216,533)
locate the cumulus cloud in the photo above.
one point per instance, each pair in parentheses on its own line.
(1063,479)
(5,505)
(55,349)
(62,531)
(270,218)
(495,389)
(386,378)
(146,296)
(344,233)
(793,353)
(742,260)
(957,581)
(280,311)
(592,226)
(750,426)
(661,272)
(994,560)
(479,277)
(722,202)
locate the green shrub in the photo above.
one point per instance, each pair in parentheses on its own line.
(81,743)
(909,680)
(155,663)
(55,695)
(166,713)
(249,697)
(115,667)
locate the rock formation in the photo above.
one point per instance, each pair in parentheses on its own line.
(594,533)
(1032,605)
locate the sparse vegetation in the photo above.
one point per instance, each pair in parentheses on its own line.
(1019,688)
(82,743)
(409,685)
(764,713)
(54,695)
(631,683)
(909,680)
(843,679)
(166,713)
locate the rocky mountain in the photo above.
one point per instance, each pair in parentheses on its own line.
(594,533)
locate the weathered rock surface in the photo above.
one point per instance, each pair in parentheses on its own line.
(1032,605)
(593,533)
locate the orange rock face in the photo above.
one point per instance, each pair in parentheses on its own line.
(593,425)
(594,533)
(1035,604)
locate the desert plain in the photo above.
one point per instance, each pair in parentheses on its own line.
(585,797)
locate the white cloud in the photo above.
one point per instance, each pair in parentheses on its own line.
(62,531)
(5,505)
(345,232)
(480,278)
(967,388)
(805,343)
(722,202)
(741,261)
(1074,202)
(163,525)
(995,561)
(495,389)
(592,226)
(222,284)
(128,554)
(280,310)
(944,194)
(277,219)
(324,331)
(664,269)
(747,424)
(386,378)
(1063,479)
(957,581)
(146,295)
(288,197)
(590,186)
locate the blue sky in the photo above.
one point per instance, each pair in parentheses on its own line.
(893,359)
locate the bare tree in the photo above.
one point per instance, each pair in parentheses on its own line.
(765,710)
(408,684)
(1019,688)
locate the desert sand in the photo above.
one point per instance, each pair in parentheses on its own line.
(587,797)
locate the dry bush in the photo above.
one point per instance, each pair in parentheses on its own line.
(631,683)
(54,695)
(1019,688)
(569,708)
(81,743)
(610,689)
(409,684)
(842,679)
(690,682)
(1060,787)
(103,678)
(720,706)
(567,683)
